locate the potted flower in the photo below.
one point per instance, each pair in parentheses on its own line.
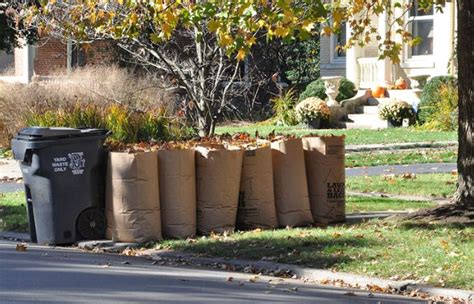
(395,111)
(312,111)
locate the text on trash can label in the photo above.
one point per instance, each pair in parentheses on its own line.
(74,161)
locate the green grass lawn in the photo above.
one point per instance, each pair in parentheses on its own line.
(357,204)
(438,255)
(420,156)
(437,185)
(353,136)
(13,212)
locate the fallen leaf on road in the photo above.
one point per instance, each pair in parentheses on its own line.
(253,279)
(129,252)
(21,247)
(126,263)
(230,279)
(350,293)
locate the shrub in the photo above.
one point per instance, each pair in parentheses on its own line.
(430,97)
(317,89)
(284,109)
(127,124)
(396,111)
(300,61)
(445,116)
(83,87)
(312,108)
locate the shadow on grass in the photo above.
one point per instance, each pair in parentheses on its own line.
(318,252)
(411,225)
(13,218)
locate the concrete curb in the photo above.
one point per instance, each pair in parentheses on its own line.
(400,146)
(317,275)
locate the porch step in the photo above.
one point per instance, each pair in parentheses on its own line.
(365,121)
(378,101)
(367,110)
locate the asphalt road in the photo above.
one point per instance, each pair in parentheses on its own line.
(61,275)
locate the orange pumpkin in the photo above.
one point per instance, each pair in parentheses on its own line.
(378,92)
(401,84)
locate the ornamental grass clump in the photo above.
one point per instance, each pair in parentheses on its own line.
(396,110)
(310,109)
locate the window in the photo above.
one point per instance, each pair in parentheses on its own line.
(339,41)
(420,24)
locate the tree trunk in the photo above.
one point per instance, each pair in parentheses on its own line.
(465,52)
(206,124)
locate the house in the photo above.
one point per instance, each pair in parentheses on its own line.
(432,57)
(50,57)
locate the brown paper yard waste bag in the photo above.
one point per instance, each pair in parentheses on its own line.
(289,179)
(257,199)
(217,185)
(132,197)
(326,177)
(177,176)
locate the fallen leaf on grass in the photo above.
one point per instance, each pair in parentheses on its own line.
(409,176)
(21,247)
(336,235)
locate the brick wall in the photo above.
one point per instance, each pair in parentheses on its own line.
(101,52)
(51,56)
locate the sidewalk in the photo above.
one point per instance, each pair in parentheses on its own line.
(400,146)
(400,169)
(9,169)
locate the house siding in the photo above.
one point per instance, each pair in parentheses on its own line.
(327,67)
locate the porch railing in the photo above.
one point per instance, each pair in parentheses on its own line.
(367,72)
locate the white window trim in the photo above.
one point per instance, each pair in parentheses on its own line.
(336,61)
(420,61)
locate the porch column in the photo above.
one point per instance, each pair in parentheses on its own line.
(352,54)
(384,67)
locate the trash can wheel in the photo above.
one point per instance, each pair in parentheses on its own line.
(91,224)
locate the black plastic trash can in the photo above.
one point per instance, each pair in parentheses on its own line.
(64,174)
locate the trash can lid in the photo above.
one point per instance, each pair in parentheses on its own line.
(42,133)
